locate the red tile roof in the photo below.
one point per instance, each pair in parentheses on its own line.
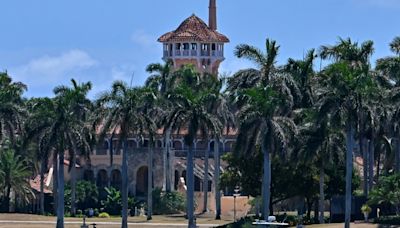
(193,29)
(35,184)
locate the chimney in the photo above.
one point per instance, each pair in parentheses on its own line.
(212,17)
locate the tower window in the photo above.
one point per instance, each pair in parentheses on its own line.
(186,46)
(213,47)
(194,46)
(178,46)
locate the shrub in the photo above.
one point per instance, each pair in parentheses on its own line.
(104,215)
(79,212)
(388,220)
(387,191)
(113,202)
(86,195)
(168,202)
(366,209)
(96,212)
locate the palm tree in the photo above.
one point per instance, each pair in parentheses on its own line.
(160,81)
(79,108)
(11,107)
(262,120)
(41,113)
(191,112)
(123,108)
(14,174)
(274,83)
(389,70)
(395,45)
(350,81)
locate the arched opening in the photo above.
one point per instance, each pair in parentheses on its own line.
(142,181)
(197,183)
(177,145)
(229,146)
(201,145)
(116,179)
(117,146)
(88,175)
(212,147)
(102,182)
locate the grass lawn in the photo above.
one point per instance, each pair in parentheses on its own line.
(158,221)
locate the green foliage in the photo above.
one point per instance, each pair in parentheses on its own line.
(14,176)
(113,202)
(388,220)
(86,195)
(168,202)
(387,191)
(366,209)
(104,215)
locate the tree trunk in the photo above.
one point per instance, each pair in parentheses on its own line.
(321,192)
(266,181)
(111,151)
(55,182)
(349,171)
(205,181)
(166,162)
(397,155)
(73,182)
(150,182)
(60,208)
(316,210)
(124,223)
(41,194)
(8,198)
(371,150)
(309,207)
(216,179)
(190,187)
(364,154)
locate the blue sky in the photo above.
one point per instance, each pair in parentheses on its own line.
(45,43)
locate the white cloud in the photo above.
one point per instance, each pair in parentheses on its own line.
(229,67)
(124,73)
(51,69)
(143,39)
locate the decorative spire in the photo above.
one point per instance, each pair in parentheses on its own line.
(212,17)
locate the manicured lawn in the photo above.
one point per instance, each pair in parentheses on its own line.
(158,221)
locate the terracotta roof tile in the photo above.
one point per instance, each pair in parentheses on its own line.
(193,29)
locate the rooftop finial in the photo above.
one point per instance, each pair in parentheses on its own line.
(212,17)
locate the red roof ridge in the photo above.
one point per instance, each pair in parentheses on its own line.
(193,28)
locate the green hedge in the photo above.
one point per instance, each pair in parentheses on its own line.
(388,220)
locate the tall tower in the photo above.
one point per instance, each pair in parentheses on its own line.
(195,42)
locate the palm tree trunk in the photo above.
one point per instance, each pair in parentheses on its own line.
(166,162)
(216,179)
(321,192)
(266,182)
(8,198)
(205,181)
(124,223)
(150,182)
(364,155)
(55,182)
(397,155)
(349,171)
(41,194)
(73,182)
(190,188)
(371,149)
(60,208)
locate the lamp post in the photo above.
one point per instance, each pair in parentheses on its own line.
(236,194)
